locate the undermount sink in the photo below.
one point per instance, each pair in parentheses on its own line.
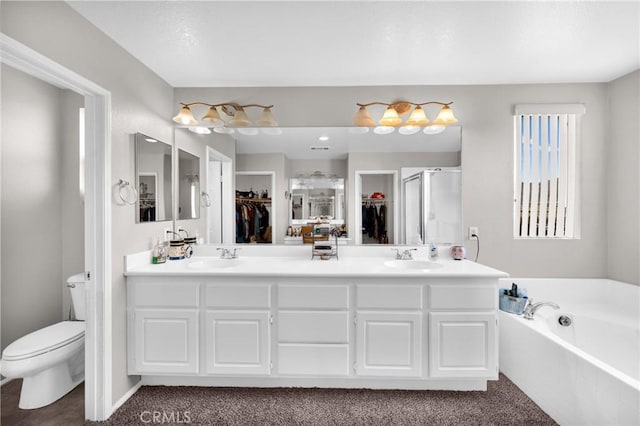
(412,265)
(214,263)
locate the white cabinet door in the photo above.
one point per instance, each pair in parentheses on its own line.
(166,341)
(237,342)
(463,344)
(388,344)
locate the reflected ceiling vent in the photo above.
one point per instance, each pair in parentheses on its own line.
(320,148)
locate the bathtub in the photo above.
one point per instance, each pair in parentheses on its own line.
(587,373)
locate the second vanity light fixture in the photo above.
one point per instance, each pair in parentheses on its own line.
(212,118)
(416,120)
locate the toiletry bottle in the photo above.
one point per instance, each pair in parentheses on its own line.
(154,254)
(162,252)
(158,255)
(433,251)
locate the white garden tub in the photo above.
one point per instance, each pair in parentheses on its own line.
(589,372)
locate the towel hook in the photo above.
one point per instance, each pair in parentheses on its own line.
(127,192)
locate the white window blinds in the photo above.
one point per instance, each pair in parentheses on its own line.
(546,190)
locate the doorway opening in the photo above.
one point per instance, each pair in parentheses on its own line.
(376,207)
(218,199)
(97,215)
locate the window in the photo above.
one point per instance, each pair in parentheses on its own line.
(546,181)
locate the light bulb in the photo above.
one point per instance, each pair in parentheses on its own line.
(433,129)
(363,118)
(248,131)
(266,119)
(200,130)
(240,119)
(383,130)
(408,130)
(445,117)
(213,117)
(390,118)
(223,130)
(185,116)
(418,117)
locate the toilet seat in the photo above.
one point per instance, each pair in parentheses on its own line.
(44,340)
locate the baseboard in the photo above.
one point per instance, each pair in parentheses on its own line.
(125,397)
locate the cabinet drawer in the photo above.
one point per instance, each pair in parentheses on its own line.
(237,296)
(317,360)
(461,297)
(389,296)
(177,294)
(313,327)
(313,296)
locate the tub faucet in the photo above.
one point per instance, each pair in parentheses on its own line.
(531,308)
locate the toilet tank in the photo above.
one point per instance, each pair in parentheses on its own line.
(78,297)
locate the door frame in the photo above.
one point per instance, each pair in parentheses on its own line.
(357,202)
(97,216)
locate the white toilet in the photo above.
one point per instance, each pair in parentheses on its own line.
(50,360)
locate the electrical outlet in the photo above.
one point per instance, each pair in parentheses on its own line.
(473,230)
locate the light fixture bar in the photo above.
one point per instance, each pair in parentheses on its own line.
(231,109)
(392,117)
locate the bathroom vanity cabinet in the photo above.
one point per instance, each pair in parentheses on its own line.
(370,331)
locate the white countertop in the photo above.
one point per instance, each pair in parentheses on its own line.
(297,262)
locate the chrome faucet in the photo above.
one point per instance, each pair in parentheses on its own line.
(405,255)
(531,308)
(228,253)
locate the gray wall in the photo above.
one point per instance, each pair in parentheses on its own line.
(141,102)
(31,205)
(623,179)
(485,114)
(42,213)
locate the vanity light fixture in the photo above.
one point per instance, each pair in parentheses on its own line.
(416,120)
(239,118)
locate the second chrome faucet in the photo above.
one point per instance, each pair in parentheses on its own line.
(404,255)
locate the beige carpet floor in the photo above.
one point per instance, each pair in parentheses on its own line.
(502,404)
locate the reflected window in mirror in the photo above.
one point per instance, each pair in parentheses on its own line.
(153,179)
(188,185)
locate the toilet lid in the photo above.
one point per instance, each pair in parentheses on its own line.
(44,340)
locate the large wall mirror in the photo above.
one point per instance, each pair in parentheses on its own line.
(378,161)
(188,185)
(153,179)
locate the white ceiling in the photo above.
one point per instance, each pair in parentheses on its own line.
(322,43)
